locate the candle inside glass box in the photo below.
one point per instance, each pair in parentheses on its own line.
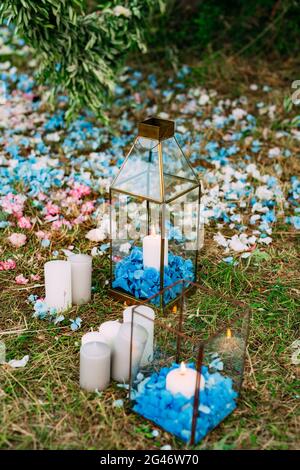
(190,399)
(229,344)
(174,412)
(143,282)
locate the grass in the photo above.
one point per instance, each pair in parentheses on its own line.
(42,406)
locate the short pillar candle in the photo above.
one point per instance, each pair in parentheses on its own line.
(58,284)
(183,381)
(81,267)
(95,360)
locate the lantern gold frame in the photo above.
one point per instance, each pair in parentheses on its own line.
(159,131)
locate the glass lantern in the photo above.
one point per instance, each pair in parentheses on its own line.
(155,218)
(192,379)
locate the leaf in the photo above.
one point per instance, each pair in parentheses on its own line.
(93,45)
(287,104)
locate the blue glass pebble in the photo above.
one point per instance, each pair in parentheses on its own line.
(175,413)
(132,277)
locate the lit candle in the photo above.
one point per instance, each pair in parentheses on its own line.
(121,351)
(58,284)
(95,359)
(183,381)
(147,323)
(81,266)
(110,330)
(151,251)
(93,336)
(229,344)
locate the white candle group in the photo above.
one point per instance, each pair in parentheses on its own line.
(68,282)
(58,285)
(152,249)
(114,340)
(183,381)
(95,361)
(81,271)
(141,312)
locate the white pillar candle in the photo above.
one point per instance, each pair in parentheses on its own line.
(151,251)
(147,323)
(183,381)
(58,284)
(93,336)
(110,330)
(81,266)
(121,351)
(95,359)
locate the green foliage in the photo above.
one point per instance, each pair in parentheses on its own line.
(81,44)
(79,53)
(236,25)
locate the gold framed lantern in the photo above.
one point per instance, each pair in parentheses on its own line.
(155,217)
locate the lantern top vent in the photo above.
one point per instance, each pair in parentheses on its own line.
(156,168)
(156,128)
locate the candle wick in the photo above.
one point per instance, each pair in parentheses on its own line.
(153,232)
(182,369)
(228,333)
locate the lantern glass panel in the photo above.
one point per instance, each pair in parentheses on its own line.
(182,230)
(131,219)
(179,176)
(140,174)
(156,194)
(208,333)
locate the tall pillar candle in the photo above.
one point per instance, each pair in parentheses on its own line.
(110,330)
(95,361)
(151,251)
(58,284)
(121,351)
(81,266)
(141,312)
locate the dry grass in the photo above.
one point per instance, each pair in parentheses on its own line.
(41,406)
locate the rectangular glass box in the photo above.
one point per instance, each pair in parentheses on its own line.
(201,341)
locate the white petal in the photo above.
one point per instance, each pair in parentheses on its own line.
(221,240)
(19,363)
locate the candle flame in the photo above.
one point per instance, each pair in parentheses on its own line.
(175,309)
(153,232)
(182,368)
(228,333)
